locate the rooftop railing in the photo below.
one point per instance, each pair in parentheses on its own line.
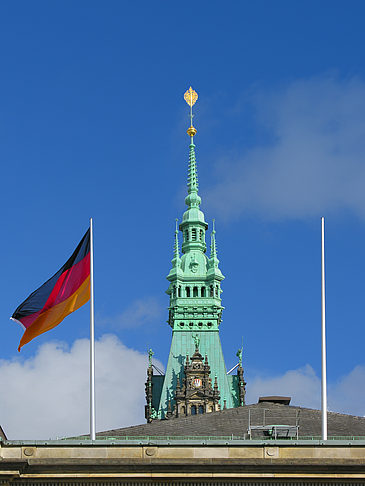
(172,438)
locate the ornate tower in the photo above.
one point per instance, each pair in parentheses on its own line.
(195,314)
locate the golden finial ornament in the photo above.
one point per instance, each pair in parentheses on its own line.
(190,97)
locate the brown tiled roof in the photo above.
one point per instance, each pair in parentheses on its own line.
(235,422)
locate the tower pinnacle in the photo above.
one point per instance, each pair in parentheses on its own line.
(213,246)
(176,246)
(193,199)
(195,314)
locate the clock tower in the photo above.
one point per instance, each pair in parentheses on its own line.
(195,315)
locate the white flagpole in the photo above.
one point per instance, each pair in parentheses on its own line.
(92,337)
(324,365)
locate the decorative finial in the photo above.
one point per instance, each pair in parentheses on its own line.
(213,245)
(176,258)
(190,97)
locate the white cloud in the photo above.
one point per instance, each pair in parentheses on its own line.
(314,163)
(302,385)
(140,312)
(47,396)
(347,395)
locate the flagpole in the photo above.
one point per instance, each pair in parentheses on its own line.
(324,365)
(92,338)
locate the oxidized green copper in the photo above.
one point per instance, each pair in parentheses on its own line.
(195,310)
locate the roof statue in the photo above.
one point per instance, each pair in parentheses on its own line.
(150,354)
(195,315)
(196,340)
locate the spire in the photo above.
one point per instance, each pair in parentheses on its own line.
(176,245)
(213,246)
(213,260)
(176,261)
(192,200)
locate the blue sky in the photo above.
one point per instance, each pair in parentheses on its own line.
(93,123)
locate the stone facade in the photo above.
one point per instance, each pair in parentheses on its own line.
(179,463)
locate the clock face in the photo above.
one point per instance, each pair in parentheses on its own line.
(197,382)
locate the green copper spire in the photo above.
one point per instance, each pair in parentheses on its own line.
(213,247)
(176,261)
(195,310)
(176,246)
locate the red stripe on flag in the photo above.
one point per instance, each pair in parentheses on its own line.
(66,285)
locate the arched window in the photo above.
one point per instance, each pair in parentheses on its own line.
(201,409)
(202,292)
(179,291)
(195,292)
(211,291)
(193,234)
(187,290)
(217,291)
(193,410)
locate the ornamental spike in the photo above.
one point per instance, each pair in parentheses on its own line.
(213,246)
(176,260)
(176,246)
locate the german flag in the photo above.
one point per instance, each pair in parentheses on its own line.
(65,292)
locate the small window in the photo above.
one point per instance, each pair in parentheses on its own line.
(202,292)
(209,324)
(181,324)
(217,291)
(193,234)
(191,324)
(187,235)
(201,235)
(200,324)
(211,291)
(195,292)
(187,290)
(179,291)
